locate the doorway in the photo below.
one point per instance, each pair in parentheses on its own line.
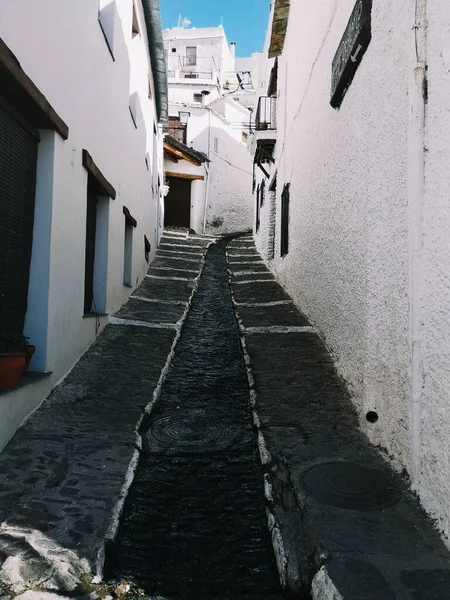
(177,203)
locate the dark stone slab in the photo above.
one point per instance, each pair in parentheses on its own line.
(177,263)
(259,267)
(359,580)
(307,418)
(162,289)
(64,469)
(264,275)
(265,316)
(151,312)
(186,242)
(185,273)
(164,247)
(427,584)
(233,252)
(233,260)
(350,486)
(269,291)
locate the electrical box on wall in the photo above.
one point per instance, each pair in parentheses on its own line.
(352,48)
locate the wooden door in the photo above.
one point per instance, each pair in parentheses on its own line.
(177,203)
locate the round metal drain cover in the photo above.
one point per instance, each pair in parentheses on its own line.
(350,486)
(194,432)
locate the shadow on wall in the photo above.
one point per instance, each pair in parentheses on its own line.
(229,202)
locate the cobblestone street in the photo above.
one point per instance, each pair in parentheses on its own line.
(196,506)
(200,455)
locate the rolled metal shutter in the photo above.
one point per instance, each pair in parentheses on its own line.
(18,158)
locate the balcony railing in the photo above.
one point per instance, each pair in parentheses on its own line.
(266,113)
(193,67)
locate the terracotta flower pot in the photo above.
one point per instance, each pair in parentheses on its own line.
(29,351)
(12,367)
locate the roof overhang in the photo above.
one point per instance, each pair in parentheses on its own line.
(279,27)
(152,15)
(175,150)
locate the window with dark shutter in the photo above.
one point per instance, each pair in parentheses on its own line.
(257,207)
(91,228)
(18,158)
(262,192)
(285,220)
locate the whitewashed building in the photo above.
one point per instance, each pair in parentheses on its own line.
(83,91)
(352,209)
(207,113)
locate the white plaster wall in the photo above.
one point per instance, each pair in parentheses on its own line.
(347,266)
(229,207)
(434,468)
(68,59)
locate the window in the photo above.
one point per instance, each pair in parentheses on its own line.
(135,24)
(190,76)
(107,18)
(19,150)
(257,208)
(91,231)
(191,56)
(285,220)
(133,106)
(99,191)
(147,248)
(263,191)
(198,98)
(174,50)
(130,223)
(216,145)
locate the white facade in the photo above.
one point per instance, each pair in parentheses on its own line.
(217,124)
(95,72)
(197,59)
(217,131)
(368,258)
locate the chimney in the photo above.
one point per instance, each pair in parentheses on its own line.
(233,55)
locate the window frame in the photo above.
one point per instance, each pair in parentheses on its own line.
(284,233)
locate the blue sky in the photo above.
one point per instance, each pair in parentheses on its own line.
(244,21)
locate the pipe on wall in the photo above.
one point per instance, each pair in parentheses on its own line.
(416,193)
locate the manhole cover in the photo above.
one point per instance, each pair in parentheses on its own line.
(350,486)
(195,432)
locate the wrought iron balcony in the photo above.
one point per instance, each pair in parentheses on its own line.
(266,113)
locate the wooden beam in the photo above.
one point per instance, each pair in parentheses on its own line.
(181,154)
(128,218)
(96,180)
(184,176)
(18,88)
(170,156)
(263,170)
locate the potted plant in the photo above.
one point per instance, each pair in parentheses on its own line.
(13,358)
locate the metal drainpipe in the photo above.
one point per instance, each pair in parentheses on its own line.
(416,192)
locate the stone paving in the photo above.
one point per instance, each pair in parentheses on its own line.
(65,473)
(194,524)
(343,524)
